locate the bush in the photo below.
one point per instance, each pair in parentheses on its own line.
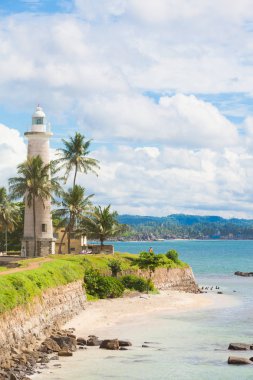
(102,286)
(136,283)
(172,255)
(115,266)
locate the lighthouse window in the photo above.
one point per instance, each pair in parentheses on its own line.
(44,228)
(39,120)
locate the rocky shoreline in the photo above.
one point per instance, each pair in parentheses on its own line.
(25,363)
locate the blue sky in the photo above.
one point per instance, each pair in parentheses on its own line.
(164,91)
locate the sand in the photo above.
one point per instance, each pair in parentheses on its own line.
(103,315)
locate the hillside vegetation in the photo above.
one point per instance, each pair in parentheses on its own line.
(185,227)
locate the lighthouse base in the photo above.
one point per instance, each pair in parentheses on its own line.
(45,247)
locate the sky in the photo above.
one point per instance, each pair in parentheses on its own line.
(164,88)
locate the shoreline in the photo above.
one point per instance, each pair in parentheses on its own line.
(121,317)
(107,313)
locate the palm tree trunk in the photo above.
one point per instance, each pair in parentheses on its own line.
(69,241)
(75,176)
(101,244)
(34,228)
(63,236)
(6,240)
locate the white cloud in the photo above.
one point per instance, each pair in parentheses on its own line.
(108,68)
(178,120)
(12,152)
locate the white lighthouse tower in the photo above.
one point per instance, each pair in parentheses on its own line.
(38,144)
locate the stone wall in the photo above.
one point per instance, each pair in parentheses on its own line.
(174,279)
(23,327)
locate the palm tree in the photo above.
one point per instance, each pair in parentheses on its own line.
(75,156)
(101,224)
(9,213)
(75,205)
(33,183)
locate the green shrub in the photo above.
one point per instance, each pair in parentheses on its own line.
(172,254)
(102,286)
(136,283)
(115,266)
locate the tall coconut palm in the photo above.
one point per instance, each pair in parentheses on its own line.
(34,184)
(74,206)
(8,215)
(101,224)
(74,156)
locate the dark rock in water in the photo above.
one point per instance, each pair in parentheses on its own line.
(251,359)
(110,344)
(124,343)
(50,345)
(244,274)
(93,341)
(145,346)
(81,341)
(219,292)
(65,342)
(240,346)
(65,353)
(238,361)
(123,349)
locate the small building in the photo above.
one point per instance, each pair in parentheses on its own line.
(78,245)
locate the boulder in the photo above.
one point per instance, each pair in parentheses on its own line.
(65,353)
(124,343)
(81,341)
(65,342)
(50,345)
(244,274)
(93,341)
(240,346)
(238,361)
(110,344)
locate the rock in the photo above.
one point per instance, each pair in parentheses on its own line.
(54,358)
(93,341)
(123,349)
(244,274)
(110,344)
(145,346)
(219,292)
(65,353)
(81,341)
(238,360)
(124,343)
(65,342)
(50,345)
(240,346)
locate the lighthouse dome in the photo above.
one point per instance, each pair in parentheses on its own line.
(39,112)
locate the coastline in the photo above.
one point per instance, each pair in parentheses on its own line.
(122,317)
(106,313)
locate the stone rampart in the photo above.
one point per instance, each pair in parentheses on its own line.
(25,326)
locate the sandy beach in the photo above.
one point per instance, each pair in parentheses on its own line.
(102,315)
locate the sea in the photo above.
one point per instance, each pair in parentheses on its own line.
(190,345)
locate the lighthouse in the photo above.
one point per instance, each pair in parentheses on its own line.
(38,144)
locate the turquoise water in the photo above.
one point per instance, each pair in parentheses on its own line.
(184,346)
(204,256)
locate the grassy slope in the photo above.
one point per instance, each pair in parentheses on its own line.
(21,287)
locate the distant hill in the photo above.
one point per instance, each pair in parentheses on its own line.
(186,226)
